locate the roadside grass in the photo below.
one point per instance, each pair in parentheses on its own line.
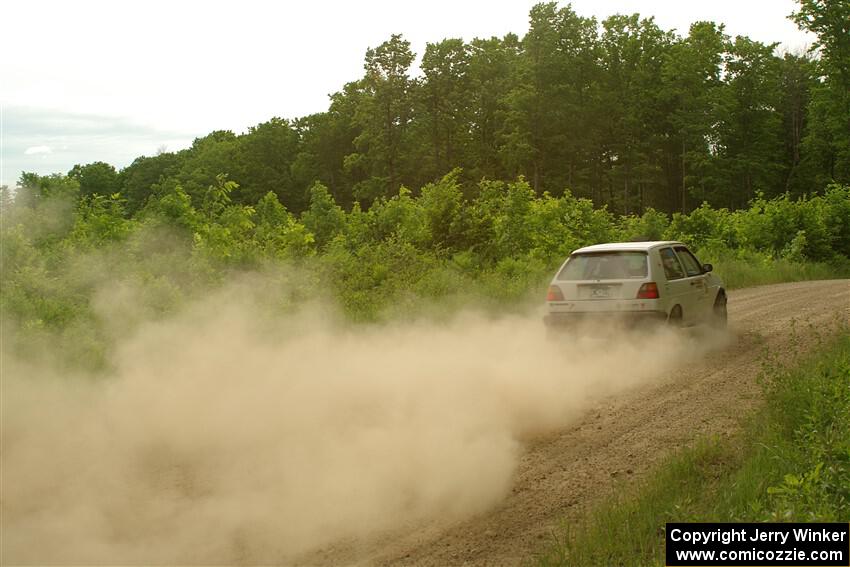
(791,462)
(749,270)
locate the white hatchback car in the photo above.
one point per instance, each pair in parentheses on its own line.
(636,281)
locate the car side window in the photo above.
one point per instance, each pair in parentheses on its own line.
(672,267)
(692,267)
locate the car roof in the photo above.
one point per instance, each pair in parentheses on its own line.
(626,246)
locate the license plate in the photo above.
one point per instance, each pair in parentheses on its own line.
(600,292)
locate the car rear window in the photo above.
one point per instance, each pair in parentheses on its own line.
(604,266)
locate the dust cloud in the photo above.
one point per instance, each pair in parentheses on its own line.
(226,435)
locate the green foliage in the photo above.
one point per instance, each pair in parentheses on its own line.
(405,252)
(442,207)
(746,150)
(266,156)
(277,233)
(810,430)
(100,219)
(651,225)
(174,205)
(383,116)
(836,216)
(34,189)
(400,217)
(746,268)
(504,208)
(827,142)
(782,225)
(444,108)
(139,180)
(217,196)
(325,219)
(704,228)
(96,178)
(560,225)
(373,279)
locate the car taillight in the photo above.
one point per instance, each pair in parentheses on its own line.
(648,290)
(554,294)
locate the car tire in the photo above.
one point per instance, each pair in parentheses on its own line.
(718,313)
(675,317)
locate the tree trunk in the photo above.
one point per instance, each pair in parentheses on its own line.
(683,175)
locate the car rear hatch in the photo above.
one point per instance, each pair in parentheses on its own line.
(600,281)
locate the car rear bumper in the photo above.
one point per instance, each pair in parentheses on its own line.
(595,318)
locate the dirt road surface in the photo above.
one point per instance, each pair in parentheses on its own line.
(620,440)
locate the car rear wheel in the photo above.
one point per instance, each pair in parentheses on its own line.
(718,314)
(675,317)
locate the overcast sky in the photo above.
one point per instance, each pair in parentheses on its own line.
(84,81)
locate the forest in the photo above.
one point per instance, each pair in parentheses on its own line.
(620,112)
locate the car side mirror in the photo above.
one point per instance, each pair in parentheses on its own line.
(707,268)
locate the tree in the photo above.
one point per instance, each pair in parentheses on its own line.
(138,179)
(383,115)
(691,77)
(827,145)
(99,219)
(550,137)
(444,111)
(325,219)
(266,155)
(634,51)
(326,139)
(96,178)
(746,144)
(797,80)
(830,20)
(277,233)
(442,204)
(492,74)
(34,189)
(210,156)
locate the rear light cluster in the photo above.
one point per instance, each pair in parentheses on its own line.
(648,290)
(554,294)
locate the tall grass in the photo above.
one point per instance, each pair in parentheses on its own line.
(754,269)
